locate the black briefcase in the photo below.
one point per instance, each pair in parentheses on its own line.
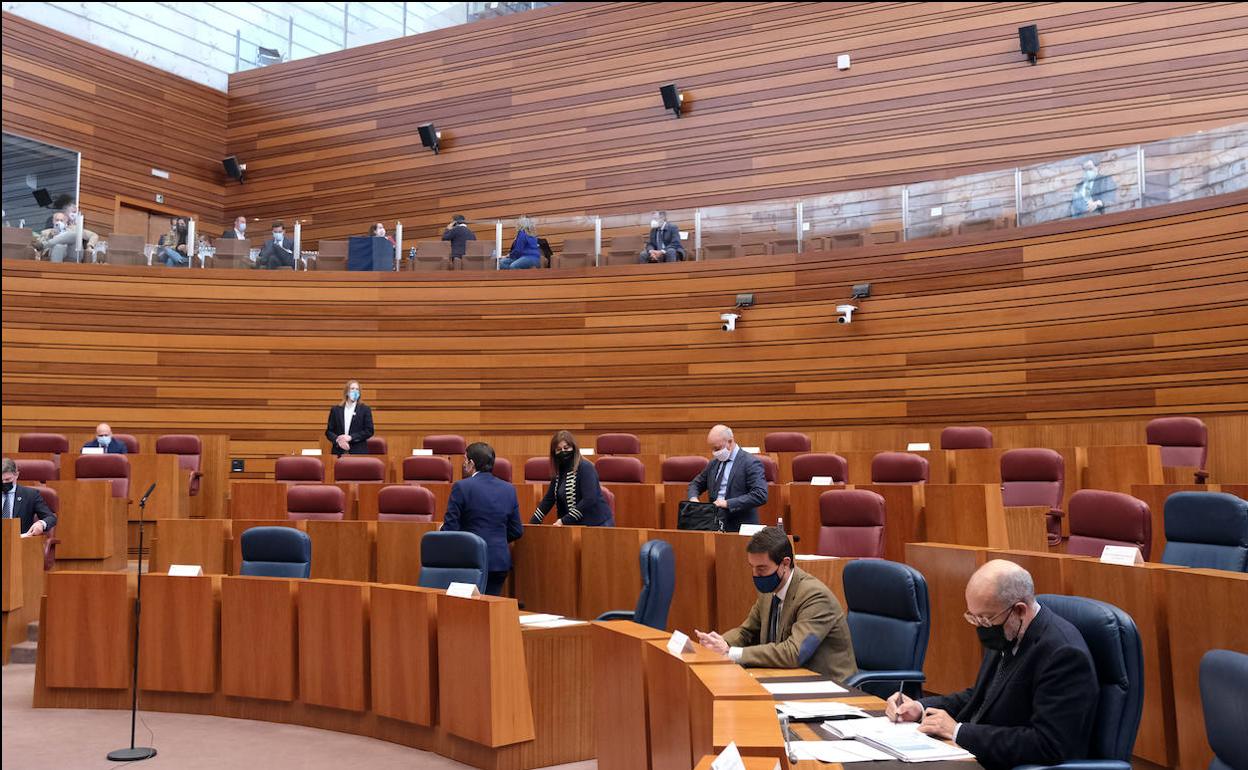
(704,517)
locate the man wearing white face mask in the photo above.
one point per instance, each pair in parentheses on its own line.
(56,244)
(664,242)
(733,480)
(239,233)
(278,251)
(1094,192)
(104,440)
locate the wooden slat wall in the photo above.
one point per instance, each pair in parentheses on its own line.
(558,111)
(125,117)
(1065,333)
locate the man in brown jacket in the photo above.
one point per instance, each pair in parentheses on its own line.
(797,621)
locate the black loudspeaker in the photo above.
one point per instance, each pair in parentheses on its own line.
(236,466)
(42,197)
(1029,42)
(671,98)
(232,169)
(429,137)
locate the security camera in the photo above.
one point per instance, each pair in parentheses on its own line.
(847,313)
(730,321)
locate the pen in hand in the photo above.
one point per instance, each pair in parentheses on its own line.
(897,702)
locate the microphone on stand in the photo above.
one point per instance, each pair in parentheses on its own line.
(136,753)
(147,494)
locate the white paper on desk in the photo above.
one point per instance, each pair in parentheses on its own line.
(679,643)
(537,617)
(804,688)
(93,450)
(186,570)
(814,709)
(463,590)
(750,529)
(836,751)
(1125,555)
(310,452)
(422,453)
(728,759)
(852,728)
(821,481)
(812,557)
(904,741)
(557,623)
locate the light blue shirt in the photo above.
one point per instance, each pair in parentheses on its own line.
(723,485)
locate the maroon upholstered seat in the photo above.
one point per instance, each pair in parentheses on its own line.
(786,442)
(898,468)
(132,443)
(1035,477)
(626,470)
(770,471)
(50,540)
(188,448)
(683,468)
(376,445)
(114,468)
(403,502)
(299,470)
(609,496)
(359,468)
(1184,442)
(40,471)
(419,468)
(445,445)
(617,444)
(315,502)
(538,469)
(851,523)
(502,469)
(1099,518)
(966,437)
(43,442)
(807,466)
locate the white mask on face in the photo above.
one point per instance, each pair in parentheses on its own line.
(654,224)
(58,226)
(722,454)
(242,228)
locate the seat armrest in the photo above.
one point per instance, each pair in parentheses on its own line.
(885,676)
(616,615)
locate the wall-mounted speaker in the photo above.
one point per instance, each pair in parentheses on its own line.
(430,137)
(672,98)
(1029,42)
(42,197)
(233,169)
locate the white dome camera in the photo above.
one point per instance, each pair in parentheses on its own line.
(730,321)
(847,313)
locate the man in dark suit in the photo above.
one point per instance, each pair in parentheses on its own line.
(278,251)
(663,245)
(25,503)
(104,440)
(1094,192)
(1034,699)
(458,234)
(239,232)
(733,480)
(485,505)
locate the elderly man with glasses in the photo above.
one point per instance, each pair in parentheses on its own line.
(1034,699)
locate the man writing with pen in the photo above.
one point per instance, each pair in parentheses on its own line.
(1034,699)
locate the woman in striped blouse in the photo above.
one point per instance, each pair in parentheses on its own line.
(574,489)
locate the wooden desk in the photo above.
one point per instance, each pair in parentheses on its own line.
(95,606)
(546,568)
(403,651)
(333,643)
(953,652)
(23,583)
(343,550)
(1117,468)
(693,601)
(611,569)
(752,725)
(1204,611)
(172,497)
(258,623)
(205,542)
(751,763)
(91,526)
(637,505)
(668,693)
(620,688)
(258,500)
(903,516)
(709,685)
(859,461)
(180,630)
(973,514)
(398,550)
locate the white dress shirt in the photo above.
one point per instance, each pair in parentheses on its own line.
(348,412)
(734,653)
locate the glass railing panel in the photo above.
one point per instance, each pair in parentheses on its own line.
(748,229)
(571,240)
(967,204)
(625,236)
(852,219)
(1098,183)
(1196,166)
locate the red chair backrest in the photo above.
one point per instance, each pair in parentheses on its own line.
(404,502)
(683,468)
(376,445)
(1184,441)
(315,501)
(538,469)
(617,444)
(424,468)
(132,443)
(770,471)
(49,496)
(786,442)
(359,468)
(1099,518)
(898,468)
(43,442)
(445,445)
(187,447)
(619,469)
(37,470)
(502,468)
(851,523)
(1032,477)
(114,468)
(807,466)
(966,437)
(299,469)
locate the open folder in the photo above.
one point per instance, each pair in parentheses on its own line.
(904,741)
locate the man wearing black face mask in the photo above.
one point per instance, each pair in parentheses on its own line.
(1035,697)
(796,621)
(25,503)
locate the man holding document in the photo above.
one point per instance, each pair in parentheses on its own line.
(1035,696)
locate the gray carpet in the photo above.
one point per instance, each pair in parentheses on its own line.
(73,738)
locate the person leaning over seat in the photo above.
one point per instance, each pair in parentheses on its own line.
(574,490)
(526,252)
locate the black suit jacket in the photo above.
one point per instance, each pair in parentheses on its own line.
(28,505)
(230,235)
(360,430)
(274,257)
(666,239)
(747,489)
(1041,712)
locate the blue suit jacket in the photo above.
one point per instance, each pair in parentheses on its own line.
(747,489)
(115,447)
(487,506)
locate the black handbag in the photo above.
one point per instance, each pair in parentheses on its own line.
(704,517)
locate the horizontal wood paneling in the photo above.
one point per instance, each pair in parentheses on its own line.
(125,117)
(1070,333)
(557,111)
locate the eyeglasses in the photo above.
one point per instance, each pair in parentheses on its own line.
(982,622)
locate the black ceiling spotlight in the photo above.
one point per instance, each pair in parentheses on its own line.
(1029,42)
(234,169)
(861,291)
(672,99)
(430,137)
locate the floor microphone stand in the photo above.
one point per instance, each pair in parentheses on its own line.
(134,753)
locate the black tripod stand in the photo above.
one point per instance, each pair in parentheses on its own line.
(134,753)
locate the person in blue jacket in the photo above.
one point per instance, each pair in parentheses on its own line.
(104,440)
(525,250)
(574,491)
(487,506)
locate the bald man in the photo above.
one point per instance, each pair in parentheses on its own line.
(733,481)
(104,440)
(1034,699)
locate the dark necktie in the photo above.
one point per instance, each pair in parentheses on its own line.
(713,492)
(991,689)
(8,505)
(773,623)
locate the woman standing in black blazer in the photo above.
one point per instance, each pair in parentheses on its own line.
(574,489)
(350,422)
